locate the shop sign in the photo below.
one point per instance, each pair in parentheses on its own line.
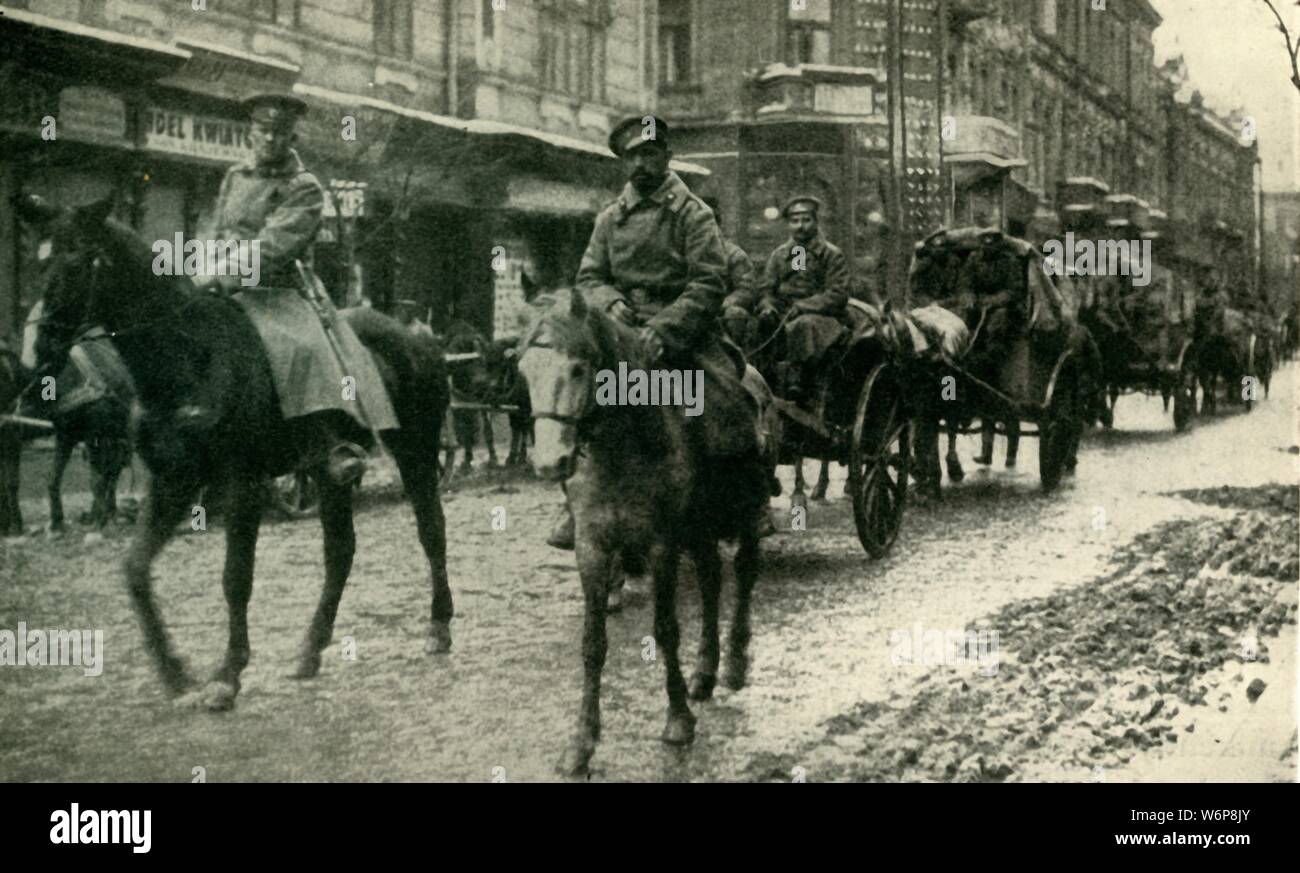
(346,198)
(94,114)
(199,136)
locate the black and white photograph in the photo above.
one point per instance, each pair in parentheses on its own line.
(650,391)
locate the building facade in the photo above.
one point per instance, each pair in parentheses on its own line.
(462,141)
(1028,115)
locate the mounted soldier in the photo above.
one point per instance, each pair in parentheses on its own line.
(326,381)
(806,282)
(656,261)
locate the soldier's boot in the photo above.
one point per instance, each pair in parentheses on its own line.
(345,461)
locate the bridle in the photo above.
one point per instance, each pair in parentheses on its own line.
(575,419)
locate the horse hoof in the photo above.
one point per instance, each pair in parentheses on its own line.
(733,677)
(576,760)
(213,697)
(219,696)
(819,494)
(308,666)
(439,642)
(702,685)
(614,603)
(680,729)
(799,501)
(984,460)
(175,678)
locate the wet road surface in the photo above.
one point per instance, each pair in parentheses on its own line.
(503,703)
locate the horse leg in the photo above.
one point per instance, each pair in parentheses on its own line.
(988,430)
(595,569)
(708,570)
(489,438)
(955,472)
(927,457)
(340,547)
(420,481)
(166,504)
(823,481)
(244,517)
(746,565)
(798,498)
(1013,441)
(680,727)
(11,450)
(99,451)
(63,445)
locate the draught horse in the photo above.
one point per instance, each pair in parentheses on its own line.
(211,419)
(642,491)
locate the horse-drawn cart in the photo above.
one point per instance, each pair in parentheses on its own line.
(859,418)
(1146,338)
(995,345)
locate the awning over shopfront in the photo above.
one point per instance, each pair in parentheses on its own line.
(77,52)
(461,159)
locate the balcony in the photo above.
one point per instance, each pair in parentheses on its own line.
(980,146)
(815,89)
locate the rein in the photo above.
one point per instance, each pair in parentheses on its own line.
(776,331)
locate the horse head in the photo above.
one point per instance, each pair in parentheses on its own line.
(82,247)
(568,344)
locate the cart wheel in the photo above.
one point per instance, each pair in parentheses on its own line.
(1059,430)
(1184,401)
(295,495)
(880,458)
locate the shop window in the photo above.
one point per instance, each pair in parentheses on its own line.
(809,29)
(676,33)
(393,26)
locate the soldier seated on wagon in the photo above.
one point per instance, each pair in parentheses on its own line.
(739,306)
(805,282)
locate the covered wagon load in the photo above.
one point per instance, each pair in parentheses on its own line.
(1142,316)
(999,343)
(983,298)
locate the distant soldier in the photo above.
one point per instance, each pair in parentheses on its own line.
(331,390)
(739,305)
(806,279)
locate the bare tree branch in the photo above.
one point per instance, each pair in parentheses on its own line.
(1292,48)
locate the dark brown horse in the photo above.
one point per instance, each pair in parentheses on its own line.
(211,419)
(642,492)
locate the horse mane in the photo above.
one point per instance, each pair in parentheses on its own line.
(134,256)
(593,336)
